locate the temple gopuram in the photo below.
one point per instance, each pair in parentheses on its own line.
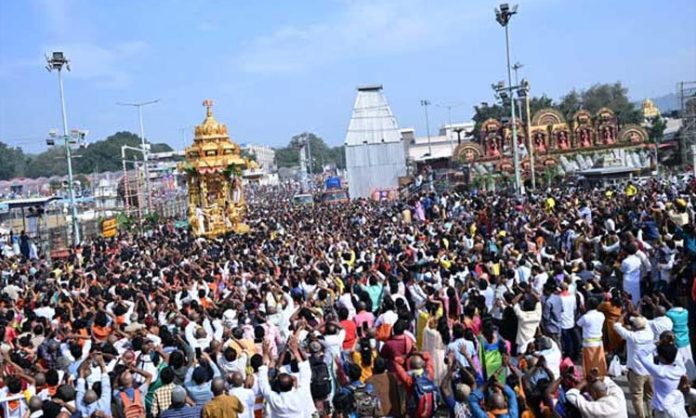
(213,168)
(567,147)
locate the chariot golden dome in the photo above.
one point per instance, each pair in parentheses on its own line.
(210,128)
(650,110)
(212,148)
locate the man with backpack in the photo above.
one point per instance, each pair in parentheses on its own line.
(422,394)
(356,399)
(130,400)
(321,384)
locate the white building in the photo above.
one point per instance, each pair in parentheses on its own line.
(265,156)
(375,153)
(441,145)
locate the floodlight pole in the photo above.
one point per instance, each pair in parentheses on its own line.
(56,62)
(503,15)
(145,149)
(515,68)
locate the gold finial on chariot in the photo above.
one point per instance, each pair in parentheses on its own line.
(208,104)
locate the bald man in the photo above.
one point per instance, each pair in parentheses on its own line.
(607,400)
(35,407)
(241,389)
(87,400)
(502,403)
(222,405)
(660,323)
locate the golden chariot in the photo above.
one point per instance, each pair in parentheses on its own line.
(213,167)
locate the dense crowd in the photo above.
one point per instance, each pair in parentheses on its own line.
(451,304)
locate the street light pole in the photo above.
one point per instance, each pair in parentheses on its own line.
(503,15)
(449,121)
(56,62)
(515,67)
(530,144)
(145,147)
(425,104)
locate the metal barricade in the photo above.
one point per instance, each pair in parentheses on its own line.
(5,401)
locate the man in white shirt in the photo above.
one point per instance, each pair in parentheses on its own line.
(346,301)
(551,352)
(488,292)
(666,375)
(607,400)
(45,311)
(639,343)
(528,318)
(334,335)
(291,400)
(592,324)
(417,294)
(660,323)
(540,278)
(631,269)
(244,394)
(569,338)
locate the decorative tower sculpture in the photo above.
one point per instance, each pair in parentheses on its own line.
(216,204)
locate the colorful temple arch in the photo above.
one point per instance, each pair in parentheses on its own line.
(567,145)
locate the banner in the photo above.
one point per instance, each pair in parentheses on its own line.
(109,228)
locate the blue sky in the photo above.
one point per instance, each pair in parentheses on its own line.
(278,68)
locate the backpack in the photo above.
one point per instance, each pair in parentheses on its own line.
(359,400)
(365,403)
(320,385)
(134,408)
(425,397)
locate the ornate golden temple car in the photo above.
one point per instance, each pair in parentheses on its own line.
(213,166)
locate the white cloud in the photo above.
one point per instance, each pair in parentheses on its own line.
(105,65)
(362,29)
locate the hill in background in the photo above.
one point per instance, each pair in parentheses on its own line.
(97,157)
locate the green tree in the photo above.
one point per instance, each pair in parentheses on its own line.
(99,157)
(570,103)
(656,129)
(538,103)
(287,157)
(49,163)
(614,96)
(106,155)
(338,156)
(12,162)
(483,113)
(321,153)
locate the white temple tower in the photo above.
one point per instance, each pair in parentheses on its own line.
(375,152)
